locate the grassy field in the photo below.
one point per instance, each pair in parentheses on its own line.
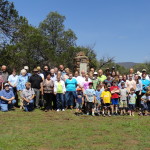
(65,131)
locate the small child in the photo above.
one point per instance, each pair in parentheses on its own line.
(132,101)
(123,99)
(90,97)
(98,98)
(106,97)
(79,101)
(115,97)
(144,106)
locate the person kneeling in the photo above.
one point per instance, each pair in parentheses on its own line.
(7,98)
(27,96)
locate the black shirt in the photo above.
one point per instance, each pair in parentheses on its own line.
(35,81)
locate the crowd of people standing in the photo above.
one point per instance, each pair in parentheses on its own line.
(96,92)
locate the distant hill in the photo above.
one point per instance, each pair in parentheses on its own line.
(127,64)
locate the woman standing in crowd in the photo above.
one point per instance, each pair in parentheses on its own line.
(138,90)
(48,85)
(59,91)
(22,79)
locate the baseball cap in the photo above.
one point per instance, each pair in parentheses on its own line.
(6,84)
(144,70)
(95,73)
(26,67)
(79,89)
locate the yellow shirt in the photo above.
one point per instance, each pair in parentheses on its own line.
(106,96)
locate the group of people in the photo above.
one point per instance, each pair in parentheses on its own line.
(94,93)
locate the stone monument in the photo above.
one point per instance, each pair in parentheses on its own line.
(81,62)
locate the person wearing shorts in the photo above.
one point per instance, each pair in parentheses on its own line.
(106,97)
(79,101)
(115,97)
(90,97)
(132,101)
(123,99)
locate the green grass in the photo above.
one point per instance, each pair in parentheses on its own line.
(65,131)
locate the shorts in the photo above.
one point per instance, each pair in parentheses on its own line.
(131,106)
(106,105)
(144,106)
(115,101)
(123,104)
(90,105)
(78,105)
(98,102)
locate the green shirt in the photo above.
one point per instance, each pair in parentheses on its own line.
(95,83)
(59,87)
(102,78)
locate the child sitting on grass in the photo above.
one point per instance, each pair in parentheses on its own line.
(98,98)
(90,97)
(106,98)
(123,99)
(79,101)
(132,101)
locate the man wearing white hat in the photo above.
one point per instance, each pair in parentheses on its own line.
(95,80)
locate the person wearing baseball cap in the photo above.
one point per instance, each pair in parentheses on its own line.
(95,80)
(27,69)
(37,84)
(7,98)
(144,71)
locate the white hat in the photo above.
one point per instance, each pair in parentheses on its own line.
(95,73)
(6,84)
(26,67)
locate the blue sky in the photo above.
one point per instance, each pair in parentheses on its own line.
(116,28)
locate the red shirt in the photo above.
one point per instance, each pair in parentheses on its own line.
(115,95)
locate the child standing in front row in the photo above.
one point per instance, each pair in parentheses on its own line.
(79,101)
(123,99)
(106,98)
(132,101)
(90,97)
(98,98)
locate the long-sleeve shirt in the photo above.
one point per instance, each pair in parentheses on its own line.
(59,87)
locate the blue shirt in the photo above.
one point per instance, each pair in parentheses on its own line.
(21,82)
(90,94)
(7,94)
(79,97)
(145,83)
(98,95)
(71,84)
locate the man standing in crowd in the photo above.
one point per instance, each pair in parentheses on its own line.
(36,84)
(101,77)
(27,69)
(62,69)
(4,73)
(46,71)
(7,98)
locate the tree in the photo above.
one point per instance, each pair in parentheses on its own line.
(54,30)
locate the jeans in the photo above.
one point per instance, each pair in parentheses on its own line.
(37,98)
(29,106)
(60,100)
(70,96)
(6,107)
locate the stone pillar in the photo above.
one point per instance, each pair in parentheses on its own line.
(81,62)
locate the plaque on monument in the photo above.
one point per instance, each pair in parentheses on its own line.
(83,67)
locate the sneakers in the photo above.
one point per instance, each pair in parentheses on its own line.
(58,110)
(93,114)
(63,109)
(87,113)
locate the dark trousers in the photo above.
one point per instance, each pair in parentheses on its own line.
(138,100)
(60,100)
(48,98)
